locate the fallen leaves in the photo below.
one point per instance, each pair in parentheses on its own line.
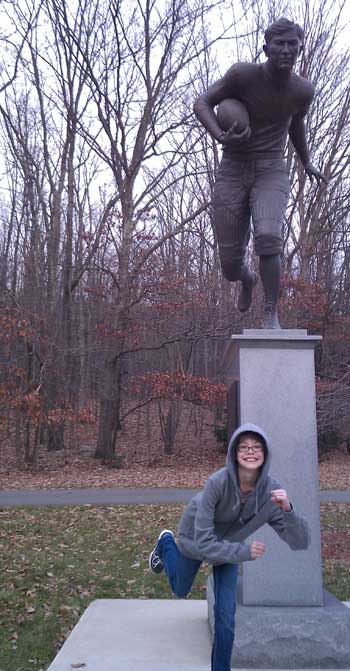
(336,545)
(89,557)
(196,455)
(334,471)
(101,552)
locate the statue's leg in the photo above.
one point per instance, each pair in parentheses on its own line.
(270,274)
(231,220)
(268,201)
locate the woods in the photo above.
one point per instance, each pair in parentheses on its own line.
(110,288)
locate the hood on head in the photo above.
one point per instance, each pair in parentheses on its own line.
(232,448)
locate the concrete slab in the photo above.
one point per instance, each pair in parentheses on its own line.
(139,635)
(135,635)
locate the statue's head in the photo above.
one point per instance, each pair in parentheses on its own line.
(283,43)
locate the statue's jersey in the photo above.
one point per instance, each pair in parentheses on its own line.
(271,106)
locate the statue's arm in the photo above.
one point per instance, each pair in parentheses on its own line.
(204,105)
(297,134)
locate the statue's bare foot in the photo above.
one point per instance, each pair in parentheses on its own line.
(245,295)
(271,317)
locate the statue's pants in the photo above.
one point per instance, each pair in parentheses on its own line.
(181,572)
(244,191)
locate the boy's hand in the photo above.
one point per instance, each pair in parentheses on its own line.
(280,498)
(257,549)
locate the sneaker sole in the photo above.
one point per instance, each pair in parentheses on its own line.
(165,531)
(150,565)
(162,533)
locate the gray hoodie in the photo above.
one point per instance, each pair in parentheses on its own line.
(217,520)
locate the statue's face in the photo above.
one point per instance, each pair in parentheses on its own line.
(283,50)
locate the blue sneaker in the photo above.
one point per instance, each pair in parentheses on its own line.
(155,563)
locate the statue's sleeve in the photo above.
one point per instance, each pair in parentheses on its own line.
(305,102)
(226,87)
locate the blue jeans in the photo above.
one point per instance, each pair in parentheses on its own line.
(181,572)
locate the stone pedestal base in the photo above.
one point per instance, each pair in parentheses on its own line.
(276,374)
(285,637)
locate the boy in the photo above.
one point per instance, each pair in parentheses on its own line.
(236,501)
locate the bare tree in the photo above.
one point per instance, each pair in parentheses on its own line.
(138,63)
(106,204)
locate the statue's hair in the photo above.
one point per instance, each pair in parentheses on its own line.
(280,26)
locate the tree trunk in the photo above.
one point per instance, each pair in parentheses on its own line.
(170,424)
(55,437)
(54,432)
(109,419)
(109,424)
(18,441)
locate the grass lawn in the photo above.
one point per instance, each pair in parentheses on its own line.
(55,561)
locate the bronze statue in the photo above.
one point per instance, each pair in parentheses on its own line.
(252,180)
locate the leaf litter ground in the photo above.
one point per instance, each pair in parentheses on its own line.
(57,560)
(196,455)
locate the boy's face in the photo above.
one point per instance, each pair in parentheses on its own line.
(283,50)
(250,451)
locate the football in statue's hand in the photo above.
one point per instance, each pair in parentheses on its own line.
(230,112)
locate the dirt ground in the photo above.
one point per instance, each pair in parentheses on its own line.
(196,455)
(183,469)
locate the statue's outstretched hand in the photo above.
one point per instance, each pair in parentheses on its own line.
(312,173)
(233,136)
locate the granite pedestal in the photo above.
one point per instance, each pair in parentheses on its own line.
(305,637)
(276,390)
(285,619)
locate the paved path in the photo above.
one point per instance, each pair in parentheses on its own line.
(121,496)
(335,496)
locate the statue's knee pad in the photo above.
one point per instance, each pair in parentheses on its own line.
(267,245)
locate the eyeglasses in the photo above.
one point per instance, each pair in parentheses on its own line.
(252,448)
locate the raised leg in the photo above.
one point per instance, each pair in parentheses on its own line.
(231,219)
(181,571)
(249,279)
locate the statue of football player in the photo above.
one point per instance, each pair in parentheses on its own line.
(252,181)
